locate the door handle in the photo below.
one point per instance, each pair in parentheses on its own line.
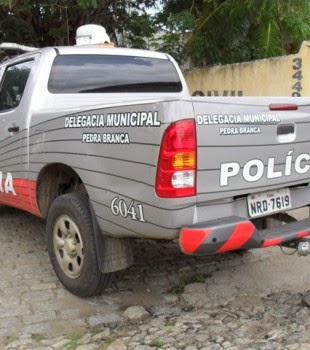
(13,128)
(286,132)
(284,129)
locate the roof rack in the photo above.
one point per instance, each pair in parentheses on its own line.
(12,50)
(16,47)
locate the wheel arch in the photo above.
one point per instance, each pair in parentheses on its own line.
(54,180)
(57,179)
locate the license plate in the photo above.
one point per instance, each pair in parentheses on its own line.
(269,202)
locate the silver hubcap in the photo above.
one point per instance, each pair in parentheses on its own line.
(68,246)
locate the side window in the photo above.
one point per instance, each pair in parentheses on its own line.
(13,85)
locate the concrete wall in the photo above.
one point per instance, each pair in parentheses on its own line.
(280,76)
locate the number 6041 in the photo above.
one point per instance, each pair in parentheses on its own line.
(132,210)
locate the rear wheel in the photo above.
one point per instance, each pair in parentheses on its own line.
(71,245)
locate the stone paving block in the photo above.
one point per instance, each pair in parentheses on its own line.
(36,328)
(15,310)
(88,347)
(10,323)
(50,305)
(40,275)
(68,313)
(39,317)
(38,296)
(43,286)
(19,344)
(50,277)
(16,290)
(103,319)
(10,300)
(61,344)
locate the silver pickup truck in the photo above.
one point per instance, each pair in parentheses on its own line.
(108,145)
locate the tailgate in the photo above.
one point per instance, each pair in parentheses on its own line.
(245,146)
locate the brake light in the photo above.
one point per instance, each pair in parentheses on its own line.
(283,107)
(177,164)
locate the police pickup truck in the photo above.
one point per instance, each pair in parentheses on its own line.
(108,146)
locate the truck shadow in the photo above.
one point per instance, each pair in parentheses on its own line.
(158,265)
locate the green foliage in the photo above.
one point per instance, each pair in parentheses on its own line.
(139,30)
(173,33)
(197,278)
(73,343)
(38,337)
(204,32)
(227,31)
(87,3)
(50,22)
(109,340)
(157,343)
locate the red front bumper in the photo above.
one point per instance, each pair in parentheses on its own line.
(224,235)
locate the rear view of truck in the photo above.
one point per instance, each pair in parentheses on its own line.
(253,163)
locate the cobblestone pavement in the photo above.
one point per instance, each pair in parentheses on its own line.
(237,301)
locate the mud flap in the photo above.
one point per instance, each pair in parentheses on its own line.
(114,254)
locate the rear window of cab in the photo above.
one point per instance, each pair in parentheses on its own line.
(112,74)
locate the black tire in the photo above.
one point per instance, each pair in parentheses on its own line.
(71,245)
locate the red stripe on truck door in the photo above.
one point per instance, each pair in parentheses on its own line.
(25,197)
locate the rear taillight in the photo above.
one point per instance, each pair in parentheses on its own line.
(177,163)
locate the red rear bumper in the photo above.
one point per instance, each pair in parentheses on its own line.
(220,236)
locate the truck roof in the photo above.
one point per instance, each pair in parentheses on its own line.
(108,50)
(96,50)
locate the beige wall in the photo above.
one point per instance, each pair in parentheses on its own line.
(268,77)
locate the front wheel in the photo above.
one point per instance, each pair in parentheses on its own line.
(71,245)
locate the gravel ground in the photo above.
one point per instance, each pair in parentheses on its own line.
(166,300)
(276,321)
